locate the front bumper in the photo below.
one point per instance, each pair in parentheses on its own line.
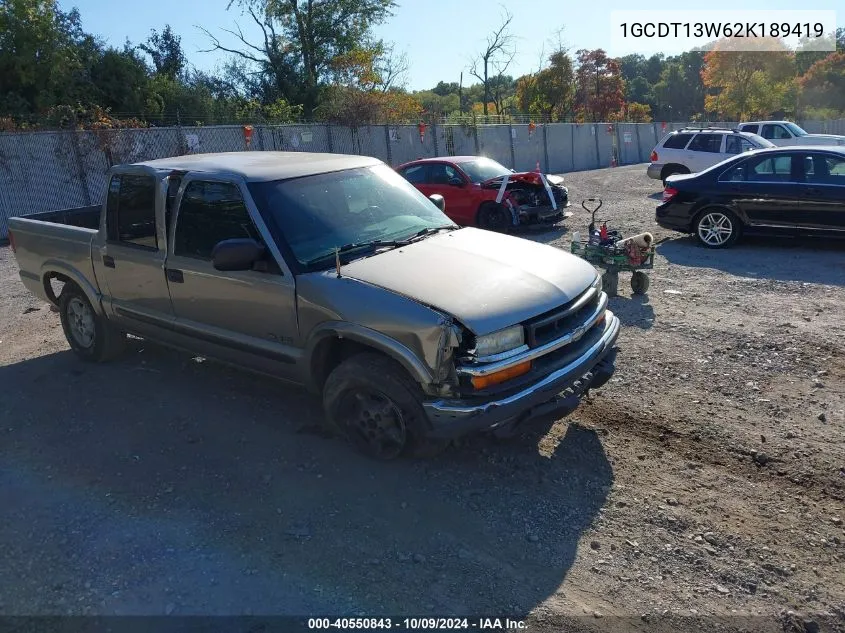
(559,392)
(654,170)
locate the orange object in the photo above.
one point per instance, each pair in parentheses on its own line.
(421,128)
(248,134)
(482,382)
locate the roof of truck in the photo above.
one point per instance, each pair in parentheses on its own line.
(262,166)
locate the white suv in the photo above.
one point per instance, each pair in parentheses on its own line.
(692,150)
(787,133)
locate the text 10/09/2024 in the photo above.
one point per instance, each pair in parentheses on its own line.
(416,624)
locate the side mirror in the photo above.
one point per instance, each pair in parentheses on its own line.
(439,201)
(236,254)
(456,182)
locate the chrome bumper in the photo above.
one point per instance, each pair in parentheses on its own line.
(453,418)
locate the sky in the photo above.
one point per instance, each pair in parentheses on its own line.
(439,36)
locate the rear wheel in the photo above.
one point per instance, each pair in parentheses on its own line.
(672,171)
(372,402)
(717,228)
(89,334)
(493,217)
(639,282)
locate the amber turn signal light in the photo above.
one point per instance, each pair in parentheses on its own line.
(482,382)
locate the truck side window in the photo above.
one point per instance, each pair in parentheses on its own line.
(130,211)
(210,213)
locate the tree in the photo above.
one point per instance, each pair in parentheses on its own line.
(495,58)
(753,83)
(43,56)
(300,39)
(599,86)
(823,85)
(165,50)
(121,82)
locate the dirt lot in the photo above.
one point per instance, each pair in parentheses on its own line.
(707,480)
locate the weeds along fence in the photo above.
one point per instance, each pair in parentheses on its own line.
(44,171)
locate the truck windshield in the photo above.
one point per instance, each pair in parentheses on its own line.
(797,131)
(317,214)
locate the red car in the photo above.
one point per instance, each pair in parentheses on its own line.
(481,192)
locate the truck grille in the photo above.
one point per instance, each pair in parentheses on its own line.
(552,325)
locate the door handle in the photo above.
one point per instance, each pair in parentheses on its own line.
(175,276)
(108,261)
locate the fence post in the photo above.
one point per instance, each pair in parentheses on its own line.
(77,155)
(598,150)
(639,147)
(261,137)
(434,137)
(387,144)
(329,139)
(619,143)
(545,149)
(513,150)
(477,144)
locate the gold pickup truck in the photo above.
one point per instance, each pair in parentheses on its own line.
(334,273)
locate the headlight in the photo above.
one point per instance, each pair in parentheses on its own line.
(501,341)
(597,283)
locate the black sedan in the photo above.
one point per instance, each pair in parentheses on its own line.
(779,191)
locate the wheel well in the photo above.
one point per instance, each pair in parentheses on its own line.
(672,168)
(331,352)
(490,203)
(54,284)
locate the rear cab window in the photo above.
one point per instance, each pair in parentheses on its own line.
(130,211)
(752,128)
(677,141)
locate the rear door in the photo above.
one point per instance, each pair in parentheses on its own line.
(134,252)
(766,190)
(248,317)
(704,150)
(823,191)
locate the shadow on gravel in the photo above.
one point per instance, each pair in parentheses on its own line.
(816,261)
(658,195)
(633,311)
(158,484)
(542,235)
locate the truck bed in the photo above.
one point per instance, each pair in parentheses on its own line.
(84,217)
(55,241)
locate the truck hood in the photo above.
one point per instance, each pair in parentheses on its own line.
(485,280)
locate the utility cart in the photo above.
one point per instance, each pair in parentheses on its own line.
(607,250)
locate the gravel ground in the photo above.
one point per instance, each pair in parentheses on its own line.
(706,480)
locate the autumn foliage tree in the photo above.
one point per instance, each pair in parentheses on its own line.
(599,89)
(823,86)
(749,83)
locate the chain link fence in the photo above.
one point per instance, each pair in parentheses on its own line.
(45,171)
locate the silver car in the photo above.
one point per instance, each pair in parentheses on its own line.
(691,150)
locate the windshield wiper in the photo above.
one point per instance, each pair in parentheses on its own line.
(429,231)
(346,248)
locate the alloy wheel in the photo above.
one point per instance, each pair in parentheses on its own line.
(715,229)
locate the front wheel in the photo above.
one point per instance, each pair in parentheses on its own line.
(717,228)
(493,217)
(373,403)
(89,334)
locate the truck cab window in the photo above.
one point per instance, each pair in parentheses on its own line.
(211,212)
(131,211)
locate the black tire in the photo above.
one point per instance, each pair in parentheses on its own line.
(671,171)
(372,402)
(717,227)
(639,282)
(493,217)
(90,335)
(610,284)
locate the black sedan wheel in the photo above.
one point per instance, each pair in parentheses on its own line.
(717,228)
(493,217)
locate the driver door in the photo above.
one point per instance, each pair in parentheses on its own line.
(247,317)
(450,183)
